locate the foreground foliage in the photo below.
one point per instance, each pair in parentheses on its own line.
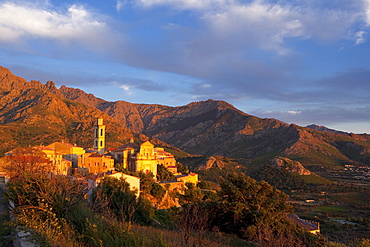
(54,211)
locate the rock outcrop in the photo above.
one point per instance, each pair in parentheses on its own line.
(289,165)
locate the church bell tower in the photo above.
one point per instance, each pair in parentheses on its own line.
(99,136)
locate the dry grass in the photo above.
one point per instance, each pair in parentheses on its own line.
(175,238)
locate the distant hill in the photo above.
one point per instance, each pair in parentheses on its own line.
(207,128)
(325,129)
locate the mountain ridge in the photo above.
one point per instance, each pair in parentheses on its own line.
(32,113)
(209,127)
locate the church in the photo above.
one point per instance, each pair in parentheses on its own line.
(143,158)
(136,158)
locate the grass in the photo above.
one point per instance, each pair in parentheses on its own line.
(5,229)
(5,232)
(170,238)
(331,209)
(315,179)
(177,153)
(352,197)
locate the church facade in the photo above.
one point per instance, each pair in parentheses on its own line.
(143,158)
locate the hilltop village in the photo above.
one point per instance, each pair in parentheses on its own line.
(94,165)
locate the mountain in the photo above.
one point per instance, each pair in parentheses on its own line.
(218,128)
(32,113)
(207,127)
(325,129)
(211,128)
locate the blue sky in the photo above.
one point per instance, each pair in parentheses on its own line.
(301,62)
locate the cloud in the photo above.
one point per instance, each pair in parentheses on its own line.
(120,4)
(367,11)
(127,88)
(20,21)
(323,114)
(246,47)
(270,24)
(294,112)
(206,85)
(282,112)
(360,37)
(351,84)
(129,84)
(185,4)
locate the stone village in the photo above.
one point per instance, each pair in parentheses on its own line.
(97,163)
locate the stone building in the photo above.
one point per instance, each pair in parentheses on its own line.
(97,163)
(144,157)
(69,152)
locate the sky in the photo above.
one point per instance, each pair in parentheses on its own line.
(303,62)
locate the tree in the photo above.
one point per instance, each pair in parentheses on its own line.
(122,202)
(146,182)
(26,163)
(192,223)
(33,184)
(182,168)
(192,194)
(41,198)
(163,174)
(247,205)
(157,191)
(279,178)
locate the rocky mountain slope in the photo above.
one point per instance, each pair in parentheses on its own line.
(207,127)
(217,128)
(32,113)
(325,129)
(289,165)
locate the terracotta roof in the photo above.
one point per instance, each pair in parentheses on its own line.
(96,155)
(66,144)
(180,176)
(130,145)
(45,148)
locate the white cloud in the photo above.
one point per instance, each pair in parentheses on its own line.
(367,11)
(120,4)
(360,37)
(258,23)
(127,88)
(205,85)
(19,21)
(294,112)
(186,4)
(269,24)
(283,112)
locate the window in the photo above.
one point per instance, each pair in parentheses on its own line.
(101,132)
